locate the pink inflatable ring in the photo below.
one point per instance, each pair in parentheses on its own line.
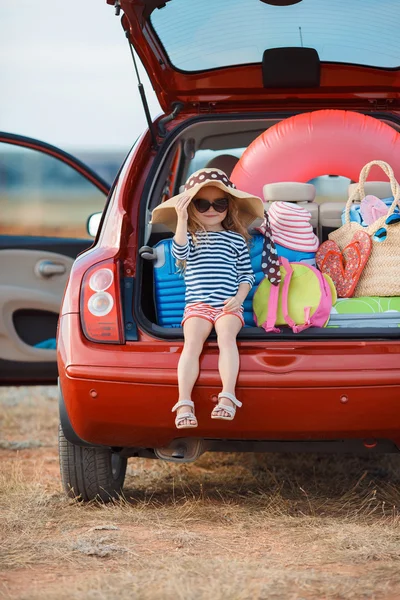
(323,142)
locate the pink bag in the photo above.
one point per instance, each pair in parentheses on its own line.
(303,291)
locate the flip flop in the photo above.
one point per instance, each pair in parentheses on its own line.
(329,260)
(323,250)
(352,271)
(345,268)
(356,255)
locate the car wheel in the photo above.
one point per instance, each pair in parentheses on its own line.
(90,473)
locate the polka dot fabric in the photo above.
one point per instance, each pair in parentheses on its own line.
(249,207)
(204,176)
(269,258)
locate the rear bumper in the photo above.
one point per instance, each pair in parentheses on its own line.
(122,395)
(134,414)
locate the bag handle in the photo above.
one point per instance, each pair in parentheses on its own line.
(359,191)
(273,301)
(285,296)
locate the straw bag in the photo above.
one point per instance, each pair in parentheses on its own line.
(381,274)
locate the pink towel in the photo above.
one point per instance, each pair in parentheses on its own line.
(291,227)
(371,208)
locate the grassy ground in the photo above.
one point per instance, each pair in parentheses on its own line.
(229,526)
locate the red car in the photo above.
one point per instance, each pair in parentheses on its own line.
(224,72)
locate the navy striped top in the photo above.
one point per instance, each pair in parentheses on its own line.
(215,266)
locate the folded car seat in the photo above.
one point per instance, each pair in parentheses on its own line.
(330,213)
(302,194)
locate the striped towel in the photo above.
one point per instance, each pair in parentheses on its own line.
(291,227)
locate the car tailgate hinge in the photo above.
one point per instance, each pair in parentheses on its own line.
(176,109)
(206,107)
(383,103)
(148,6)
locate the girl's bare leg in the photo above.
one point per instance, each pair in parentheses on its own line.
(227,328)
(195,331)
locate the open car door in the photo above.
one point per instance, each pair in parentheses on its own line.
(46,197)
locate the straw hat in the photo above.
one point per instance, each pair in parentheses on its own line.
(250,207)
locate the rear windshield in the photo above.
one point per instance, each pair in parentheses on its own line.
(199,35)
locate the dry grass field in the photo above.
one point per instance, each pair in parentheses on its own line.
(243,527)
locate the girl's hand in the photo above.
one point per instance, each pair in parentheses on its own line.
(181,208)
(232,304)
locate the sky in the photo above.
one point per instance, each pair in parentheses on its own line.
(67,76)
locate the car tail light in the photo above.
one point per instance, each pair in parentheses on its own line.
(101,304)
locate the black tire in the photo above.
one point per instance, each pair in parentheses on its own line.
(90,473)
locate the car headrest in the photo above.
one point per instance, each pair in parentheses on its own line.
(225,162)
(381,189)
(289,191)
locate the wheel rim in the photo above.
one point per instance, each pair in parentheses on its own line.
(116,465)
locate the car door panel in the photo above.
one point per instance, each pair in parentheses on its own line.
(34,268)
(65,246)
(25,285)
(30,299)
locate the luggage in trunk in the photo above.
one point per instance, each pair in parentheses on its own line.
(366,312)
(169,296)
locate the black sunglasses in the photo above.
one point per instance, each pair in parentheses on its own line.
(202,205)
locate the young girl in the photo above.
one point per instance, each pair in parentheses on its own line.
(211,220)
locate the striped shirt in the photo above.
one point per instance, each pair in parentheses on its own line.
(215,266)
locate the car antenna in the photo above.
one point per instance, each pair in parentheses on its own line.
(143,95)
(301,37)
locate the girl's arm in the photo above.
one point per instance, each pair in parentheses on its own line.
(180,236)
(243,290)
(235,302)
(246,281)
(245,270)
(180,245)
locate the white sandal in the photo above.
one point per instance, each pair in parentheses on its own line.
(185,415)
(229,409)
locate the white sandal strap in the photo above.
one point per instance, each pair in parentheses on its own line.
(187,415)
(229,409)
(230,397)
(183,403)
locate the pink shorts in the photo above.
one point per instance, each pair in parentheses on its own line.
(210,313)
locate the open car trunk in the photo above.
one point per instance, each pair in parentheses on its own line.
(221,140)
(205,53)
(246,57)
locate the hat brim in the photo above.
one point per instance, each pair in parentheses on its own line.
(250,207)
